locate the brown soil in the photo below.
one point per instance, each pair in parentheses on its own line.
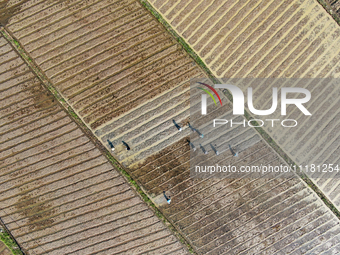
(6,11)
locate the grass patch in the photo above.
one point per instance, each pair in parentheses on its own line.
(55,92)
(16,43)
(74,115)
(11,244)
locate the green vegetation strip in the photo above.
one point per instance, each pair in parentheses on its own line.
(9,241)
(260,130)
(16,45)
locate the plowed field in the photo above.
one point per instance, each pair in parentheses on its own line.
(127,78)
(4,250)
(264,39)
(267,215)
(59,194)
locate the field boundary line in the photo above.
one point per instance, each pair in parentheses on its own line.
(9,241)
(330,10)
(134,184)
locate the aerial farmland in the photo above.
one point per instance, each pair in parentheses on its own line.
(59,194)
(271,39)
(99,127)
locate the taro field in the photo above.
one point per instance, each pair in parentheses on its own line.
(128,79)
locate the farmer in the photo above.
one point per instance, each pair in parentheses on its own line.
(126,145)
(195,130)
(111,145)
(177,126)
(235,154)
(168,199)
(191,145)
(204,151)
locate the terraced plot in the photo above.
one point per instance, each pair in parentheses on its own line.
(295,38)
(59,194)
(128,79)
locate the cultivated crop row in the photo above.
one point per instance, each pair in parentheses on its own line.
(59,194)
